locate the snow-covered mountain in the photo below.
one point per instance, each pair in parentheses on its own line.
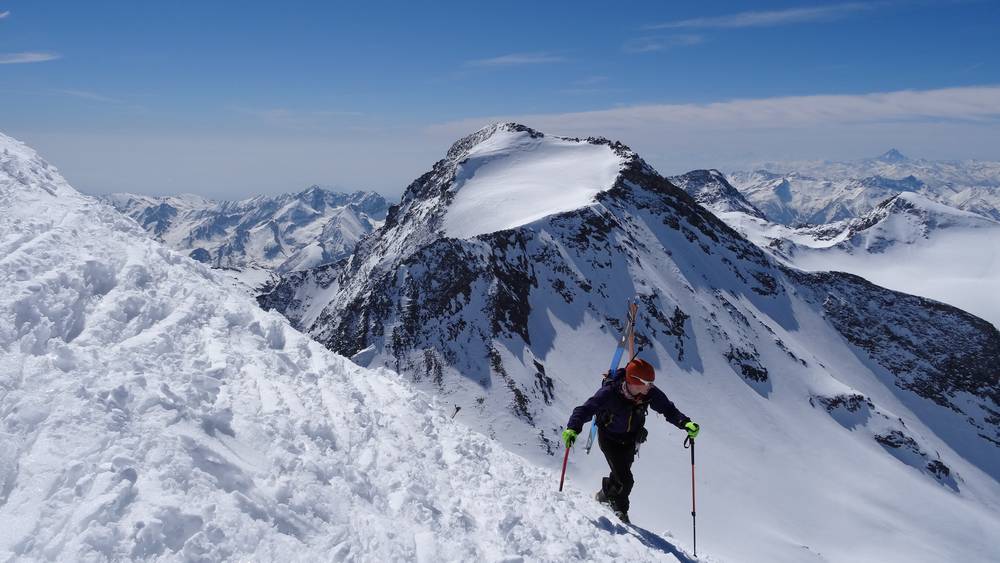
(907,243)
(832,409)
(283,233)
(711,189)
(796,199)
(817,192)
(148,412)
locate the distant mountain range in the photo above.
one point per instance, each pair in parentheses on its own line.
(817,192)
(906,242)
(282,233)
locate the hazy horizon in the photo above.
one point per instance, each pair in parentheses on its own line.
(227,100)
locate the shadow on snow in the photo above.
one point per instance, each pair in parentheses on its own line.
(649,539)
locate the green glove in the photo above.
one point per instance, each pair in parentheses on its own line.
(569,436)
(692,429)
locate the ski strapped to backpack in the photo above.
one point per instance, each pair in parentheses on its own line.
(627,340)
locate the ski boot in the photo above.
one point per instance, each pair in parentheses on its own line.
(623,516)
(602,498)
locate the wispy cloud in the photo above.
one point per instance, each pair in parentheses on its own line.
(518,59)
(24,58)
(944,123)
(92,96)
(3,15)
(975,104)
(654,44)
(770,18)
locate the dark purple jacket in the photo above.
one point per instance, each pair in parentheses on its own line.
(620,417)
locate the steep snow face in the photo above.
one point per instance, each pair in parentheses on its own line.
(282,233)
(822,191)
(779,366)
(516,177)
(907,243)
(711,189)
(344,229)
(149,413)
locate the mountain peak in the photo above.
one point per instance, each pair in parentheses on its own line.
(521,175)
(892,155)
(711,189)
(924,215)
(467,143)
(506,175)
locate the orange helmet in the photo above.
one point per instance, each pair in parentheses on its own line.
(639,371)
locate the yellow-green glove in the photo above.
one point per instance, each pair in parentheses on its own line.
(569,437)
(692,429)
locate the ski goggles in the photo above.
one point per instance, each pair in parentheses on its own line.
(638,382)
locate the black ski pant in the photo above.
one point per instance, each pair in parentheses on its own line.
(618,485)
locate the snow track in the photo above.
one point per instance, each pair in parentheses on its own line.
(147,412)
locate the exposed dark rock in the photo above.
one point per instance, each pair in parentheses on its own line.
(434,307)
(937,351)
(851,402)
(747,363)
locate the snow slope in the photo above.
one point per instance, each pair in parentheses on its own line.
(841,421)
(513,178)
(907,243)
(148,412)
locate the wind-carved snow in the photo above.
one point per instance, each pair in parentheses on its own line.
(148,412)
(514,178)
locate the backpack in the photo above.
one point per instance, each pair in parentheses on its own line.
(611,379)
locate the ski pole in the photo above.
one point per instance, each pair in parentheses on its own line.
(694,522)
(563,476)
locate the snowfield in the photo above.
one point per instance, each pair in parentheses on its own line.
(513,178)
(148,411)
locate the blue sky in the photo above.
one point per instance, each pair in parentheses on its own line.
(233,98)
